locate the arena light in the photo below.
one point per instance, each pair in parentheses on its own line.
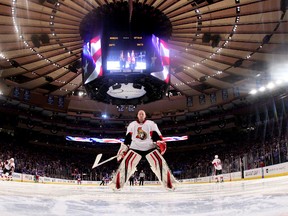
(116,86)
(238,10)
(270,85)
(279,82)
(80,93)
(262,89)
(253,91)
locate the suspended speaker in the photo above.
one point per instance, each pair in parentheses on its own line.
(45,38)
(35,40)
(215,40)
(284,5)
(206,38)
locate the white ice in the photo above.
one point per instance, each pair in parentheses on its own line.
(254,197)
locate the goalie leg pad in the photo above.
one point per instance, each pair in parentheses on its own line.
(126,169)
(161,170)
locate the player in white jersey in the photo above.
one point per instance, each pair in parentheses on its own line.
(143,139)
(218,168)
(9,167)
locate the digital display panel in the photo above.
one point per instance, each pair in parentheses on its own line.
(140,54)
(160,61)
(126,61)
(125,54)
(121,69)
(92,60)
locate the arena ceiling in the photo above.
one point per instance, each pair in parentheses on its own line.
(214,45)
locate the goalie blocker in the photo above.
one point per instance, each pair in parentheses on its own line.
(158,166)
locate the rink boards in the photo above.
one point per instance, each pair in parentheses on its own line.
(264,172)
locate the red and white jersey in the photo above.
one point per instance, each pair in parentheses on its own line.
(141,134)
(217,164)
(9,165)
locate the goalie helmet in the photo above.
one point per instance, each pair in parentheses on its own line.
(12,159)
(216,156)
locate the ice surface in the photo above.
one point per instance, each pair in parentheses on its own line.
(254,197)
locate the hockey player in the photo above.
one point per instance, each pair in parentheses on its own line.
(78,179)
(8,170)
(1,168)
(218,168)
(143,139)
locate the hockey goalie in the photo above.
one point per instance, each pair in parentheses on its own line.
(143,139)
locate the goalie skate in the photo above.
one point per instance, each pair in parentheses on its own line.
(161,170)
(125,170)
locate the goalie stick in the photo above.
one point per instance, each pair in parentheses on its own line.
(98,158)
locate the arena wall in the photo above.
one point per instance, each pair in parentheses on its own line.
(263,172)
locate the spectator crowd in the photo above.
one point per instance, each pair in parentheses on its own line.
(64,163)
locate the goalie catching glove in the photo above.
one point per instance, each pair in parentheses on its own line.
(162,146)
(122,152)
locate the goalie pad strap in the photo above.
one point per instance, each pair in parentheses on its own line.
(126,169)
